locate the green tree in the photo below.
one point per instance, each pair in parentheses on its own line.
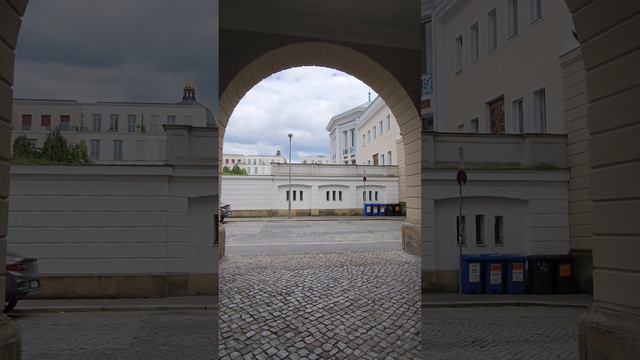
(22,148)
(55,150)
(236,170)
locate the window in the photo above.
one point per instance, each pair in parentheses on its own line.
(294,195)
(353,140)
(475,42)
(375,133)
(388,122)
(475,126)
(364,140)
(255,170)
(498,230)
(339,195)
(131,123)
(389,157)
(287,196)
(426,47)
(65,122)
(26,122)
(117,149)
(512,20)
(301,195)
(382,159)
(540,110)
(536,10)
(334,195)
(248,170)
(113,122)
(368,136)
(517,114)
(171,119)
(380,127)
(458,54)
(461,229)
(376,196)
(492,30)
(95,149)
(328,192)
(370,192)
(97,122)
(45,122)
(479,229)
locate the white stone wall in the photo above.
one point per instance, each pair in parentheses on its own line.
(114,220)
(376,141)
(269,192)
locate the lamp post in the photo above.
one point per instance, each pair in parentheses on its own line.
(290,160)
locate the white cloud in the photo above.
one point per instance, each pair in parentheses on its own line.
(299,101)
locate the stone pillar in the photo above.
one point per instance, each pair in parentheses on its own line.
(11,12)
(608,31)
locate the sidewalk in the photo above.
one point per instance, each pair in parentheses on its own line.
(469,300)
(312,218)
(144,304)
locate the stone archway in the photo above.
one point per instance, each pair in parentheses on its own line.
(355,63)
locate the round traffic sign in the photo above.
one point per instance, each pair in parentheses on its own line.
(461,177)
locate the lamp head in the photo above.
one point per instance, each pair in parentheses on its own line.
(290,135)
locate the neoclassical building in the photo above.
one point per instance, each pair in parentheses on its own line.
(114,132)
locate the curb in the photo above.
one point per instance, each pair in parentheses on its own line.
(111,308)
(466,304)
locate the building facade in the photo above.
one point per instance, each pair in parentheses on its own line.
(315,159)
(114,132)
(342,135)
(315,190)
(253,164)
(379,135)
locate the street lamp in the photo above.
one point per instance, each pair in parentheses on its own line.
(290,160)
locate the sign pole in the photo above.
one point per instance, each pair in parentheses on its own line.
(461,178)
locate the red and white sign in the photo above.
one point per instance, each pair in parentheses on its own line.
(495,274)
(474,272)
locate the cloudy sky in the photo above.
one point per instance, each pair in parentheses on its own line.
(300,101)
(146,50)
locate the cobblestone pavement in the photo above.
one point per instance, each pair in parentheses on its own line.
(158,335)
(282,237)
(357,305)
(500,333)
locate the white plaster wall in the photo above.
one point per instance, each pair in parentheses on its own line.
(381,143)
(114,220)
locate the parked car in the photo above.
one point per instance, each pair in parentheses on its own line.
(225,212)
(22,279)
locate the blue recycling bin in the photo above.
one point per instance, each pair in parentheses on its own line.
(367,209)
(493,274)
(374,209)
(471,274)
(381,210)
(515,274)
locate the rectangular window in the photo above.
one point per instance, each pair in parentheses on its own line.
(364,140)
(536,10)
(517,114)
(117,149)
(380,127)
(376,196)
(353,140)
(479,229)
(382,159)
(339,195)
(97,122)
(171,119)
(370,193)
(131,123)
(512,20)
(328,192)
(294,195)
(113,122)
(388,122)
(540,110)
(45,122)
(498,230)
(426,47)
(461,229)
(368,136)
(458,54)
(301,199)
(26,122)
(95,149)
(65,122)
(492,30)
(475,126)
(287,196)
(334,195)
(255,170)
(475,42)
(375,133)
(389,157)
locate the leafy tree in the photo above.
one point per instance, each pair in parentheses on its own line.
(55,150)
(236,170)
(22,148)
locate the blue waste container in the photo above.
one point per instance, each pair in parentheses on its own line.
(367,209)
(515,274)
(382,208)
(374,209)
(493,274)
(471,274)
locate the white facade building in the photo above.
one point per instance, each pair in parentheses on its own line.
(315,159)
(343,137)
(114,132)
(379,135)
(253,164)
